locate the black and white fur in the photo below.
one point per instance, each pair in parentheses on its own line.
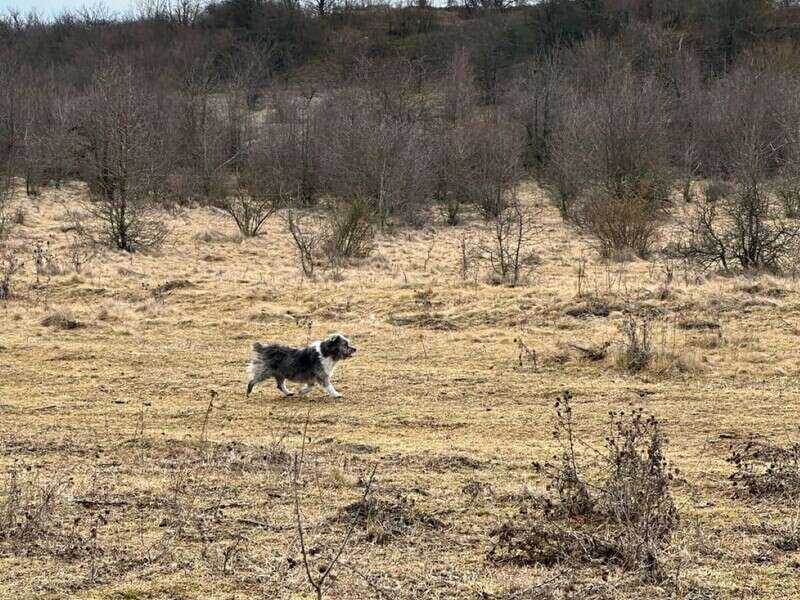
(310,365)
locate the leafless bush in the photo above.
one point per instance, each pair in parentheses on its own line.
(10,264)
(717,190)
(787,189)
(452,163)
(200,144)
(763,469)
(533,104)
(293,161)
(630,496)
(459,87)
(30,501)
(6,216)
(318,577)
(609,157)
(79,253)
(637,350)
(750,139)
(509,251)
(370,155)
(256,195)
(121,149)
(352,231)
(496,151)
(308,239)
(746,230)
(620,224)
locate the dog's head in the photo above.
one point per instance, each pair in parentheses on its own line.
(336,347)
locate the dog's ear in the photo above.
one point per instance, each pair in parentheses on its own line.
(328,346)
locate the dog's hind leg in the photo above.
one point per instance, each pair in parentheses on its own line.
(282,387)
(306,389)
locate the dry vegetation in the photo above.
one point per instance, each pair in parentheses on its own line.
(133,467)
(564,238)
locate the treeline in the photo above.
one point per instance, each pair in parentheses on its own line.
(381,113)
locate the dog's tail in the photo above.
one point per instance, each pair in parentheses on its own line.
(255,363)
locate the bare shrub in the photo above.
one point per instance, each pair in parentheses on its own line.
(10,264)
(509,251)
(717,190)
(29,505)
(787,189)
(750,139)
(609,157)
(256,195)
(121,149)
(637,350)
(459,87)
(533,104)
(620,224)
(308,239)
(351,230)
(763,469)
(294,147)
(200,145)
(496,167)
(629,496)
(452,163)
(318,577)
(79,253)
(746,230)
(62,320)
(373,152)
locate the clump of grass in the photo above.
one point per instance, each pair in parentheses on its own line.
(385,519)
(61,319)
(624,514)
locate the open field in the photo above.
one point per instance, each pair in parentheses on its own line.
(194,500)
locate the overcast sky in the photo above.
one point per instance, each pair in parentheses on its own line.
(49,8)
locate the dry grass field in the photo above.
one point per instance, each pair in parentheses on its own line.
(127,444)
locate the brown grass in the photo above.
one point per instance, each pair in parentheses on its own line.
(171,496)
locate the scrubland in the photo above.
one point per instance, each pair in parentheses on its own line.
(134,467)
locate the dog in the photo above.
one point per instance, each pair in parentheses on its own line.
(311,365)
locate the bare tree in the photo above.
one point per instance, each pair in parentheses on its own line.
(321,8)
(496,172)
(509,251)
(534,106)
(751,137)
(373,158)
(452,164)
(609,164)
(120,153)
(459,86)
(255,196)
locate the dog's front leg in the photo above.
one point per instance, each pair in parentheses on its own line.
(306,389)
(326,383)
